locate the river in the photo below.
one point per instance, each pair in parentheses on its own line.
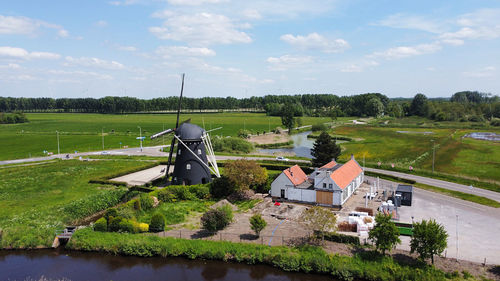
(71,265)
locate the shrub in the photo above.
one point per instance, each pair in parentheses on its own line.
(126,226)
(181,192)
(217,219)
(101,225)
(114,223)
(231,144)
(338,237)
(257,224)
(495,123)
(110,213)
(166,195)
(137,205)
(319,127)
(141,227)
(146,201)
(476,118)
(221,187)
(157,223)
(200,191)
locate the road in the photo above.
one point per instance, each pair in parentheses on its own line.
(440,183)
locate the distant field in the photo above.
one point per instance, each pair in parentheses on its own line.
(82,132)
(453,155)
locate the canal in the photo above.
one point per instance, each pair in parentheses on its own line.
(71,265)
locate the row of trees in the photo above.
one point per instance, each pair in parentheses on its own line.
(12,118)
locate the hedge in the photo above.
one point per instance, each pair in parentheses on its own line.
(338,237)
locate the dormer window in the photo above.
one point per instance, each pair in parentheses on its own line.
(199,151)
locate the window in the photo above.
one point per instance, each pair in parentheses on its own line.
(188,166)
(179,151)
(324,185)
(199,151)
(330,186)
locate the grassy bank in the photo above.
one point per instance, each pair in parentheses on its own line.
(38,200)
(364,266)
(457,194)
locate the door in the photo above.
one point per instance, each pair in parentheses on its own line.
(324,197)
(282,193)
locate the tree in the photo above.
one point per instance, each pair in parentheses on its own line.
(217,219)
(319,219)
(374,107)
(385,234)
(324,150)
(245,173)
(257,224)
(287,119)
(429,239)
(419,105)
(157,223)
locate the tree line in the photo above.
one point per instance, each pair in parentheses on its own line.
(462,106)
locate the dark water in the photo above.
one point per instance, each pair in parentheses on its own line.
(301,146)
(69,265)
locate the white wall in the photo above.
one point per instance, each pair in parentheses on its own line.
(281,182)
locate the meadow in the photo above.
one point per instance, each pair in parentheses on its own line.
(40,199)
(83,132)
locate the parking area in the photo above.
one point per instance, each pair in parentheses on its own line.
(144,176)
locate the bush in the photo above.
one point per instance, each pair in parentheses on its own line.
(181,192)
(319,127)
(110,213)
(221,187)
(476,118)
(141,227)
(101,225)
(146,201)
(137,205)
(166,195)
(114,224)
(257,224)
(217,219)
(157,223)
(200,191)
(236,145)
(337,237)
(126,226)
(495,123)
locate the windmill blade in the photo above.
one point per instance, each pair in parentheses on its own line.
(186,121)
(169,162)
(180,102)
(161,133)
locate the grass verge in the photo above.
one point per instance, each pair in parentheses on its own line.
(365,266)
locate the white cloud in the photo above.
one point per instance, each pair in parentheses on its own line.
(124,3)
(27,26)
(359,66)
(101,23)
(11,66)
(20,53)
(407,51)
(93,62)
(314,41)
(488,71)
(127,48)
(169,51)
(287,61)
(200,29)
(412,22)
(195,2)
(251,14)
(81,74)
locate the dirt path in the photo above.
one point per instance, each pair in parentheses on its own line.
(270,138)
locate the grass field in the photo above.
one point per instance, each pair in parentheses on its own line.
(82,132)
(34,199)
(454,155)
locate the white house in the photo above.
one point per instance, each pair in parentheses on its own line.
(330,185)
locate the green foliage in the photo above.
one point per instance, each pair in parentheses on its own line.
(257,223)
(137,205)
(244,134)
(111,212)
(126,226)
(13,118)
(319,127)
(319,219)
(385,234)
(94,203)
(146,201)
(217,219)
(374,107)
(287,119)
(429,239)
(244,174)
(324,150)
(181,192)
(338,237)
(114,224)
(419,105)
(157,223)
(101,225)
(221,187)
(200,191)
(306,259)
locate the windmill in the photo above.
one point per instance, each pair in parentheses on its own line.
(195,159)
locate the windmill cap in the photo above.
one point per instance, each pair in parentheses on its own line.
(188,131)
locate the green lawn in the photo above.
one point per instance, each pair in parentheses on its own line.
(176,212)
(33,198)
(82,132)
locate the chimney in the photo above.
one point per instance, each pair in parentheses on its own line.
(352,156)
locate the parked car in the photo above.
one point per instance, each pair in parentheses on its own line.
(281,158)
(105,152)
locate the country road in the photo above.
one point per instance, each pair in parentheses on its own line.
(156,151)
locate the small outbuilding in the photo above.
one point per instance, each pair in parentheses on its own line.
(406,193)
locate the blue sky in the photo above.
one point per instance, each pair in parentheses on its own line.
(235,48)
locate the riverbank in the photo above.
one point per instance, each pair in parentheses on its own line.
(365,265)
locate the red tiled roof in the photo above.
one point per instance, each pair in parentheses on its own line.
(344,175)
(329,165)
(296,175)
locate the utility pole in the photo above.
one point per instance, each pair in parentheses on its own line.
(58,150)
(140,135)
(102,134)
(433,154)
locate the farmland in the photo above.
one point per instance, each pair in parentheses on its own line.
(82,132)
(35,199)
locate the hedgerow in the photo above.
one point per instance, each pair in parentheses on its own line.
(94,203)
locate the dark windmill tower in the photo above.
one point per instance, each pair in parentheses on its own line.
(195,159)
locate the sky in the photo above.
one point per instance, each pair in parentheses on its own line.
(237,48)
